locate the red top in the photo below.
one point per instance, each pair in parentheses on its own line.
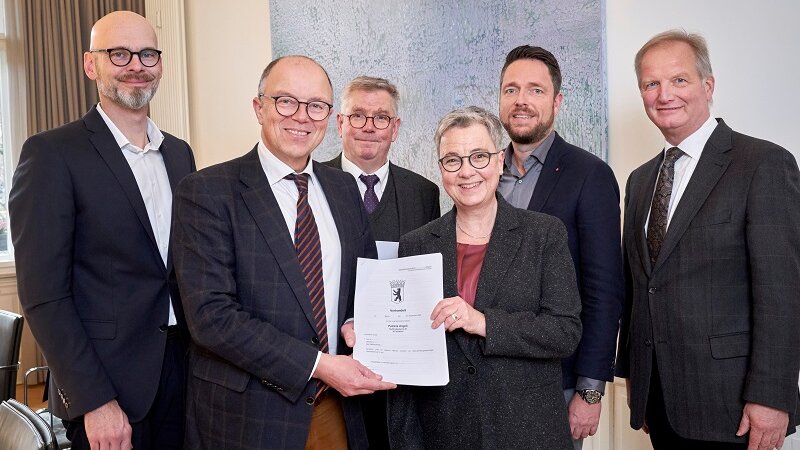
(469,260)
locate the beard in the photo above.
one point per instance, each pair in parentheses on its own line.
(138,98)
(535,134)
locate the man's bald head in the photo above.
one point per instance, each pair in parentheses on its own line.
(119,28)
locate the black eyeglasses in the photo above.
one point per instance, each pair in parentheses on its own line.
(478,160)
(121,57)
(380,121)
(287,106)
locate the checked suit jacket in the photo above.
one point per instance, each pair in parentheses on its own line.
(247,307)
(719,310)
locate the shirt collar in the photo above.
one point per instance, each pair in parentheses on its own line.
(693,145)
(351,168)
(154,135)
(538,154)
(275,169)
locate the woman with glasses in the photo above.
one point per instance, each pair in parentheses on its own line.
(511,309)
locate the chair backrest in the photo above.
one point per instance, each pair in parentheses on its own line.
(10,339)
(23,429)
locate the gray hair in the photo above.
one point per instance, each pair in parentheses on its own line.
(693,40)
(370,84)
(465,117)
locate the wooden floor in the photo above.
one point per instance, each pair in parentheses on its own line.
(34,396)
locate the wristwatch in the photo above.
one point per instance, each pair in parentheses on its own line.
(590,396)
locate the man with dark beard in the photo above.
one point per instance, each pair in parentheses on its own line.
(91,209)
(544,173)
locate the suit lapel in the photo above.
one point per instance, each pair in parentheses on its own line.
(503,247)
(406,201)
(644,197)
(548,178)
(105,144)
(710,168)
(342,212)
(264,208)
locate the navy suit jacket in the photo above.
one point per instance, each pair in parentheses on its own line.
(581,190)
(247,306)
(91,280)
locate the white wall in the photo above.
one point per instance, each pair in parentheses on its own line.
(228,46)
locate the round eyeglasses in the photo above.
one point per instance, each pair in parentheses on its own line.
(380,121)
(121,57)
(478,160)
(287,106)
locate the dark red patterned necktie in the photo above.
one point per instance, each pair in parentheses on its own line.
(659,209)
(309,255)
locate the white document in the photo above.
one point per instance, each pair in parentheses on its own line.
(387,249)
(394,299)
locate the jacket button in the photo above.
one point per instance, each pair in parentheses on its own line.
(471,370)
(163,328)
(315,340)
(265,383)
(309,401)
(652,290)
(648,342)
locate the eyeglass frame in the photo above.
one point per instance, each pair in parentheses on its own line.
(350,120)
(469,158)
(275,98)
(131,53)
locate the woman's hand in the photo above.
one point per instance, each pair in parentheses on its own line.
(455,313)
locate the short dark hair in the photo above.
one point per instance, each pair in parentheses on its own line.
(275,61)
(539,54)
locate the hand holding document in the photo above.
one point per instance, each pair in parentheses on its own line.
(393,303)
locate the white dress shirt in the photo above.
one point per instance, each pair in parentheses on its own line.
(286,194)
(692,148)
(382,173)
(150,172)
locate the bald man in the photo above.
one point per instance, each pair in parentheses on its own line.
(91,208)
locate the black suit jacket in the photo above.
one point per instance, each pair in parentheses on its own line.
(505,389)
(247,306)
(91,281)
(719,309)
(417,199)
(581,190)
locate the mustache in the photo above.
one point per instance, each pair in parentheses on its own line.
(524,111)
(136,77)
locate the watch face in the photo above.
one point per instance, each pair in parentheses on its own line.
(591,396)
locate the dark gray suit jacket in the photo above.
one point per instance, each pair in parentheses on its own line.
(417,201)
(720,308)
(505,389)
(247,306)
(91,280)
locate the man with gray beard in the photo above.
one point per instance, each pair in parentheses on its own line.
(542,172)
(91,212)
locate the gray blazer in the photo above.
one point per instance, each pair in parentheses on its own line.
(505,389)
(719,308)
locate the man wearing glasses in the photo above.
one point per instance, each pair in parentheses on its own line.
(265,252)
(545,173)
(397,200)
(91,209)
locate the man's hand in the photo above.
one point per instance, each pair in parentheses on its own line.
(583,417)
(107,428)
(767,426)
(349,333)
(349,376)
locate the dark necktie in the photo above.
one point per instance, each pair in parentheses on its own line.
(309,255)
(370,198)
(659,209)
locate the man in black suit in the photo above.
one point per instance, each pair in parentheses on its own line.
(91,207)
(397,200)
(544,173)
(710,343)
(265,252)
